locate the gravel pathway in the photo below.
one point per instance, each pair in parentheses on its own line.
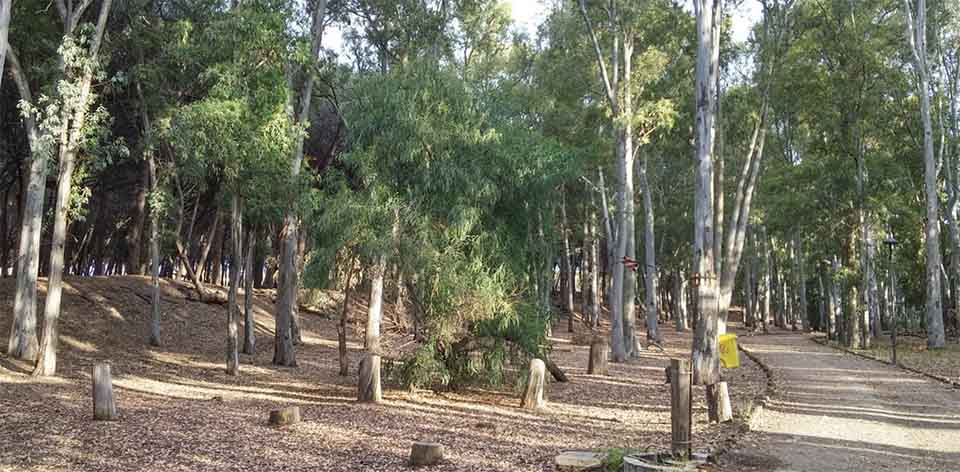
(838,412)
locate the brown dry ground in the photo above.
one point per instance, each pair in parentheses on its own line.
(181,412)
(833,411)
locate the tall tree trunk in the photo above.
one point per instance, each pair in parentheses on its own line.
(134,236)
(649,255)
(215,275)
(23,342)
(154,243)
(342,325)
(566,268)
(628,218)
(802,284)
(917,34)
(73,120)
(249,325)
(706,360)
(765,281)
(593,251)
(854,316)
(300,113)
(236,255)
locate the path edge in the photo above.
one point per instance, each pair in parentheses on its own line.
(823,341)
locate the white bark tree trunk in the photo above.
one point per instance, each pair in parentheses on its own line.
(649,255)
(249,326)
(916,16)
(236,255)
(68,146)
(706,360)
(23,343)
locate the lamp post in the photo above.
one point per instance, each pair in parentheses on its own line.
(891,242)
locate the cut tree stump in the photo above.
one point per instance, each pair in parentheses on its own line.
(104,407)
(368,386)
(285,416)
(598,358)
(426,453)
(718,403)
(533,394)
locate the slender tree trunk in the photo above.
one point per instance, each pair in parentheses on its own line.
(47,360)
(631,341)
(249,325)
(134,237)
(917,34)
(342,326)
(23,343)
(566,268)
(854,318)
(73,119)
(236,255)
(649,254)
(706,360)
(802,284)
(300,113)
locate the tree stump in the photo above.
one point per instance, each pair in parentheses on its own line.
(533,394)
(426,453)
(718,403)
(679,377)
(368,387)
(104,407)
(598,358)
(284,416)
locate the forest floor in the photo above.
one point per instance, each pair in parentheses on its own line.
(833,411)
(179,411)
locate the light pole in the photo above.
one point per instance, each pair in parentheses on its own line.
(891,242)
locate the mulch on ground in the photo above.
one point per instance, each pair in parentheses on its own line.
(181,412)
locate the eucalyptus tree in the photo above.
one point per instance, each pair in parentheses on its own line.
(65,129)
(634,116)
(915,13)
(301,92)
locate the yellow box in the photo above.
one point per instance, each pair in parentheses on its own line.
(729,356)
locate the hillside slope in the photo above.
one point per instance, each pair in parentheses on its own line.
(181,412)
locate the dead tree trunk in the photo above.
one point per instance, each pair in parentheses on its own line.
(597,364)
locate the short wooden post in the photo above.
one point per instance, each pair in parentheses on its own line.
(718,403)
(284,416)
(680,406)
(368,387)
(598,358)
(104,407)
(426,453)
(533,394)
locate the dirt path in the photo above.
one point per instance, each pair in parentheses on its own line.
(839,412)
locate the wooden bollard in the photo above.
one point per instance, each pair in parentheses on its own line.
(597,364)
(533,394)
(104,407)
(680,406)
(426,453)
(284,416)
(368,385)
(718,403)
